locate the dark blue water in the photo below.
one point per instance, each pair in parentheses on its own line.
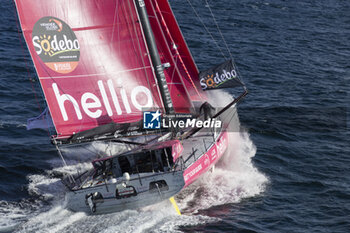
(294,58)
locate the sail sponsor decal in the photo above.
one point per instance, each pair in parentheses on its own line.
(221,76)
(207,160)
(94,104)
(89,80)
(56,44)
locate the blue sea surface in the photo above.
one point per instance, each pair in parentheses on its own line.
(293,171)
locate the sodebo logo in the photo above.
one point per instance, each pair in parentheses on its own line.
(56,44)
(212,81)
(52,46)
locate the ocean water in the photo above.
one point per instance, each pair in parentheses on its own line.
(287,171)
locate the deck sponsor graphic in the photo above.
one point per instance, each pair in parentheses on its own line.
(213,154)
(125,192)
(56,44)
(221,145)
(193,172)
(204,162)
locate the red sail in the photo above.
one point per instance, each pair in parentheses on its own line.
(91,59)
(182,76)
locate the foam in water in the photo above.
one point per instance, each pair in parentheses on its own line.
(11,123)
(54,220)
(42,185)
(234,178)
(15,213)
(157,218)
(48,185)
(11,216)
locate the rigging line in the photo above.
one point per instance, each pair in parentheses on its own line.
(228,116)
(228,50)
(172,77)
(217,26)
(150,61)
(65,164)
(177,52)
(115,15)
(118,31)
(176,68)
(222,36)
(210,34)
(138,41)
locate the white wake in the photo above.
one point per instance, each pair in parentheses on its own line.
(234,178)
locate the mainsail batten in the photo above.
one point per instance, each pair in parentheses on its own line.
(93,64)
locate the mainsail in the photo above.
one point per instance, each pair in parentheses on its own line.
(94,65)
(91,59)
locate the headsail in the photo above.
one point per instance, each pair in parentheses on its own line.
(91,59)
(182,75)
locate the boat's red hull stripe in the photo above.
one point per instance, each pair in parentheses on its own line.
(207,160)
